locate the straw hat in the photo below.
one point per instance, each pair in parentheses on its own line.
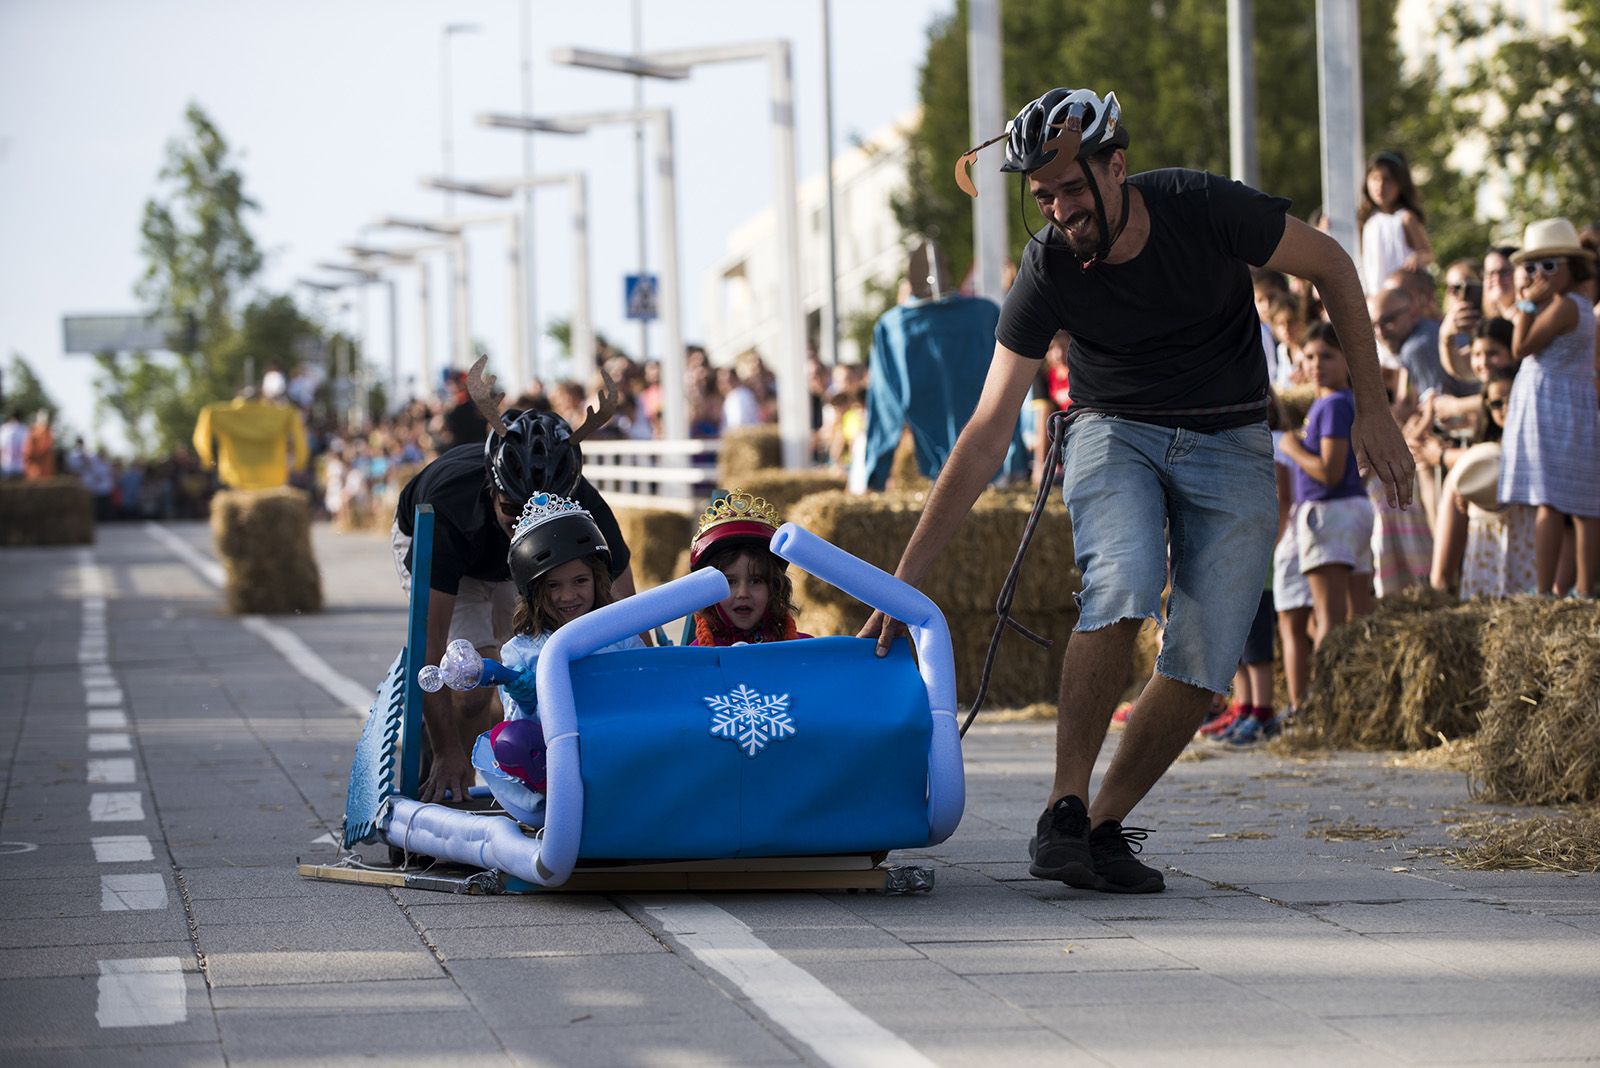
(1477,476)
(1549,237)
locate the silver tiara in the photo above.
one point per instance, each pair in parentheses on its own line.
(540,509)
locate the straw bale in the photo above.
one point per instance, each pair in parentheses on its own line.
(1540,741)
(1023,673)
(904,474)
(263,538)
(1295,402)
(1400,678)
(1146,647)
(785,489)
(47,511)
(972,568)
(745,449)
(656,537)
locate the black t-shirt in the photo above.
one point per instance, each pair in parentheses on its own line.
(1173,328)
(467,539)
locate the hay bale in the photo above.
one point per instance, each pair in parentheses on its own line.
(904,474)
(263,538)
(1024,673)
(970,572)
(45,511)
(746,449)
(1295,402)
(1403,677)
(1540,742)
(656,537)
(785,489)
(1146,647)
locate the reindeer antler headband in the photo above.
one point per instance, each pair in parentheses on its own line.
(481,388)
(1064,144)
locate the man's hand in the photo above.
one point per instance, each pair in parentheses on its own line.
(884,629)
(451,775)
(1382,450)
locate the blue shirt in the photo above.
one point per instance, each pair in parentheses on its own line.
(1329,417)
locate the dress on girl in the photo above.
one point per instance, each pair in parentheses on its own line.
(1552,438)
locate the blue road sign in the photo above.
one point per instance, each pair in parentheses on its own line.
(639,295)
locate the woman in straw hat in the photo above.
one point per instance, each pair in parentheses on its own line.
(1552,437)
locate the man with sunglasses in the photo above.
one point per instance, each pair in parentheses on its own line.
(1402,326)
(1168,463)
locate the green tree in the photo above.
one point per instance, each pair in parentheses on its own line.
(1167,62)
(200,257)
(25,393)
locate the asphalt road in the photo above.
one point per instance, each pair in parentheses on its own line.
(165,766)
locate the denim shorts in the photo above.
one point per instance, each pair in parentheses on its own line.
(1128,485)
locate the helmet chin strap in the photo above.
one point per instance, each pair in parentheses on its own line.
(1107,238)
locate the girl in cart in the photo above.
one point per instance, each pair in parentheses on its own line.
(561,567)
(733,536)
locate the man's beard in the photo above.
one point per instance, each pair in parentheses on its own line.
(1081,234)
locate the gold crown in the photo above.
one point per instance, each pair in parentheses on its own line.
(738,505)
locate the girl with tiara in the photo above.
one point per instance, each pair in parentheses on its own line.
(732,536)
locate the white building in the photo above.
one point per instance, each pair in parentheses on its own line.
(741,292)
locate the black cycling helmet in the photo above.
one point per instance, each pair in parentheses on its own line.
(1031,138)
(1041,120)
(552,531)
(536,455)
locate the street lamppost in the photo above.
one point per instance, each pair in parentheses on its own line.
(446,145)
(794,406)
(674,408)
(409,256)
(577,185)
(368,276)
(343,355)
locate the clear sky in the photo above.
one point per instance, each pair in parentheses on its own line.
(334,109)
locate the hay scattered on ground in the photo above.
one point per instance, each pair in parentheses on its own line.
(1038,712)
(1400,678)
(45,511)
(1451,754)
(746,449)
(1350,831)
(1540,742)
(1240,836)
(263,539)
(1565,842)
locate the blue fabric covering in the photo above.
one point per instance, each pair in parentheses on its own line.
(929,360)
(851,774)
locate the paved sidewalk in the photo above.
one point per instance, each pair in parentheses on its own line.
(161,772)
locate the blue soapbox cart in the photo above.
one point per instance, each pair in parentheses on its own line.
(794,765)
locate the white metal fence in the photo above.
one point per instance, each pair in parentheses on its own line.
(679,475)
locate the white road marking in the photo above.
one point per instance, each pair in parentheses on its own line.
(116,807)
(209,570)
(325,839)
(144,992)
(115,742)
(132,893)
(9,848)
(121,848)
(111,771)
(103,698)
(840,1034)
(342,688)
(114,720)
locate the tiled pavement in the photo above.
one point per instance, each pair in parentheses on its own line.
(173,930)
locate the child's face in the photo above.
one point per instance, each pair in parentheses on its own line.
(1382,187)
(1328,364)
(746,605)
(1488,356)
(1496,395)
(569,590)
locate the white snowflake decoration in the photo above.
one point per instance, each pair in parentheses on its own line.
(750,719)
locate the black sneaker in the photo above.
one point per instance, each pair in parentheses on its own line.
(1060,849)
(1116,872)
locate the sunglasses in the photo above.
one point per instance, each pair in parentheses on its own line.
(1550,266)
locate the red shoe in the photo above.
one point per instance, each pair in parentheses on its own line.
(1124,710)
(1223,723)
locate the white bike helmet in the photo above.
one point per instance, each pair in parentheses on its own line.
(1041,119)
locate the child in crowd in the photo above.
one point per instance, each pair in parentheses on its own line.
(1330,539)
(562,570)
(1393,235)
(1499,559)
(732,536)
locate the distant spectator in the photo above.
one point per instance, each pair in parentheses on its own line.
(1463,289)
(1499,557)
(1499,281)
(39,454)
(739,404)
(1552,435)
(95,471)
(1393,234)
(13,447)
(463,423)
